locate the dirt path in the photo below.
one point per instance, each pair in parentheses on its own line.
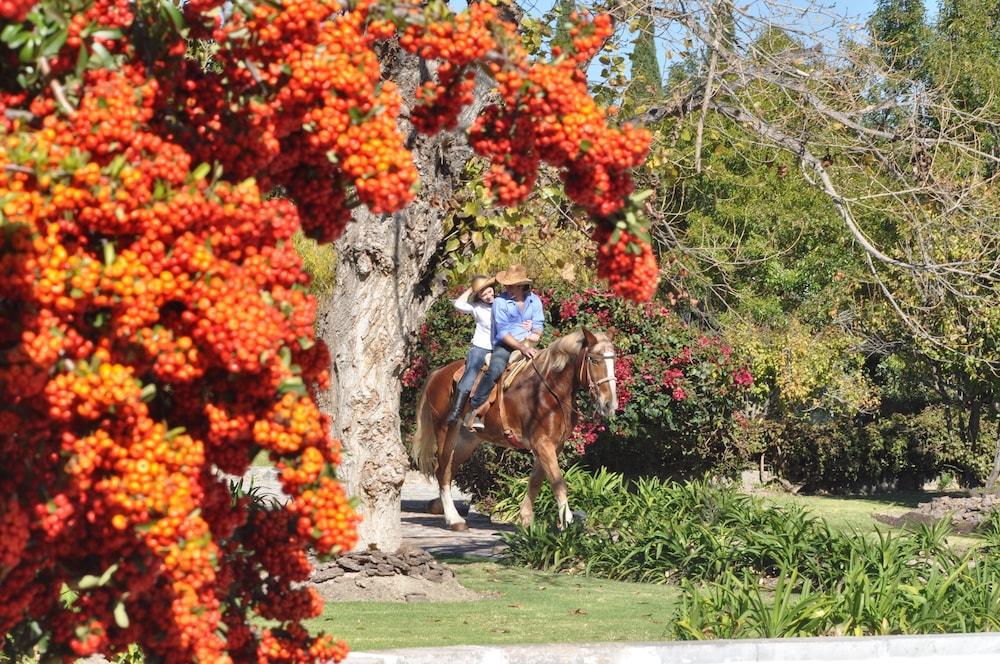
(420,530)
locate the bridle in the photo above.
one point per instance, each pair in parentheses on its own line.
(584,376)
(593,386)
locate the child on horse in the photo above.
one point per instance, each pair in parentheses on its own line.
(517,322)
(477,301)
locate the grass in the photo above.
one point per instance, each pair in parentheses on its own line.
(855,513)
(533,607)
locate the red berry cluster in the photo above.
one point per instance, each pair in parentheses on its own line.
(627,262)
(15,10)
(157,323)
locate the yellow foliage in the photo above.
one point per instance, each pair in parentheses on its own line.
(557,258)
(805,370)
(319,261)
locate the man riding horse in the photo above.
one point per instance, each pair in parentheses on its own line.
(517,325)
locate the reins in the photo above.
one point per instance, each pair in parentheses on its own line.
(592,385)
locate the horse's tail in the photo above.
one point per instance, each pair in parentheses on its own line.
(423,447)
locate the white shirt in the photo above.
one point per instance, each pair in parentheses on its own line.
(483,313)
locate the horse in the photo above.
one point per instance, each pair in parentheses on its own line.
(539,412)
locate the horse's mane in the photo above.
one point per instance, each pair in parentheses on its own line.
(555,357)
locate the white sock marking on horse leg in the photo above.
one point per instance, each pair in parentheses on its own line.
(451,515)
(565,513)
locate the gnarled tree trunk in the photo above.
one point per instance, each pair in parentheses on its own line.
(384,286)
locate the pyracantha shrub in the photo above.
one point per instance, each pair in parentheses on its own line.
(158,329)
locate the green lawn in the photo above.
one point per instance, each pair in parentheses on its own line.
(853,512)
(847,513)
(533,607)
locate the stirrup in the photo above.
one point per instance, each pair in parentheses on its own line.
(472,421)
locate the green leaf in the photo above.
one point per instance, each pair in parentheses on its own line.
(173,433)
(7,34)
(109,253)
(148,392)
(28,52)
(17,37)
(116,165)
(585,146)
(293,385)
(82,58)
(641,196)
(121,617)
(173,12)
(452,244)
(201,172)
(54,43)
(103,56)
(87,581)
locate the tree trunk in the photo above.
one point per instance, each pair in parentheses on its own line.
(385,283)
(367,324)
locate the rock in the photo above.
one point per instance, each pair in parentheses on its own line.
(349,565)
(327,573)
(415,597)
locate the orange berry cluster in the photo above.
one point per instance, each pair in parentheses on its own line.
(158,326)
(627,262)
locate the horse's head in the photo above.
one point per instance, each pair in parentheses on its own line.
(598,372)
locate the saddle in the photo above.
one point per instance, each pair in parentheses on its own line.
(517,363)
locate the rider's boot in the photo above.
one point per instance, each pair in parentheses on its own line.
(474,420)
(457,403)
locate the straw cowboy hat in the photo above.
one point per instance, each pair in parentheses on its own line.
(481,283)
(513,276)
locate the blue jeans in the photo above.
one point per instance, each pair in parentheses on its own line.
(501,355)
(474,362)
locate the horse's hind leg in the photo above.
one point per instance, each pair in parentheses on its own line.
(545,455)
(465,446)
(444,475)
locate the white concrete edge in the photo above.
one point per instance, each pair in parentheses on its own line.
(980,648)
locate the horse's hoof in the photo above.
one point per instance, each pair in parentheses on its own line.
(459,527)
(434,506)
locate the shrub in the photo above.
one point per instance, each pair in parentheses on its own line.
(897,451)
(750,570)
(157,325)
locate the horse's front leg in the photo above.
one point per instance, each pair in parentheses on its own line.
(547,458)
(534,485)
(444,474)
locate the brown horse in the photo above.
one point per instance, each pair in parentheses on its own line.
(540,413)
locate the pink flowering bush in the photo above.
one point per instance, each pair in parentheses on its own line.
(680,391)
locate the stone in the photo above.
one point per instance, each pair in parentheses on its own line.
(349,565)
(327,573)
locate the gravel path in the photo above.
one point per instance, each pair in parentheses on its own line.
(421,530)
